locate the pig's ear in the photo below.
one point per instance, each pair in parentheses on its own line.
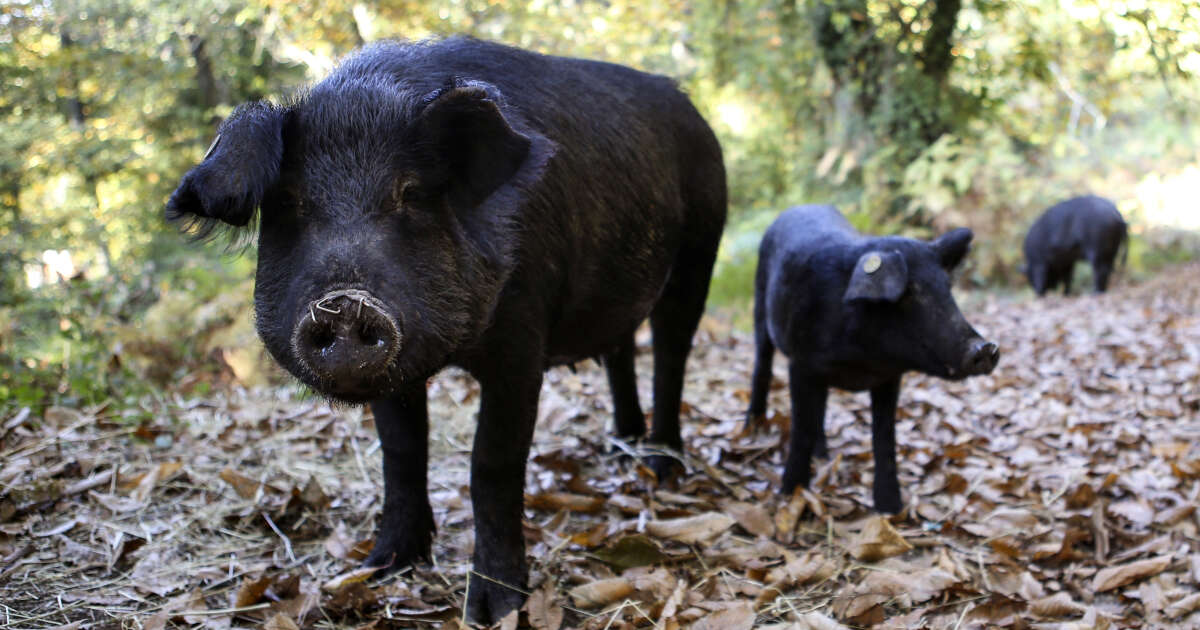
(240,166)
(952,247)
(465,126)
(878,276)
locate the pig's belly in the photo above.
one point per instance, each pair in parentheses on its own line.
(596,328)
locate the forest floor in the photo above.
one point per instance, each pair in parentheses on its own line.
(1058,492)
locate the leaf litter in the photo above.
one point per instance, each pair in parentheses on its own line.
(1058,492)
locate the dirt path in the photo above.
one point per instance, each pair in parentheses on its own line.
(1061,491)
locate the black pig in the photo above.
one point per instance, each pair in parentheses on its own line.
(1089,228)
(855,312)
(465,203)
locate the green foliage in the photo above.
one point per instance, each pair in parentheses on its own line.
(55,346)
(911,115)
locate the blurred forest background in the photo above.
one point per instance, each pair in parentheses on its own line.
(912,115)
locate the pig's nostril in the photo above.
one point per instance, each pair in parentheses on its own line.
(370,335)
(321,337)
(985,358)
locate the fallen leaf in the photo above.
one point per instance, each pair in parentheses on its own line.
(601,592)
(350,577)
(1188,604)
(631,551)
(543,613)
(312,495)
(878,540)
(554,501)
(1057,605)
(814,620)
(245,487)
(738,617)
(753,518)
(787,516)
(251,591)
(145,485)
(352,597)
(1116,577)
(1134,511)
(280,621)
(510,621)
(692,529)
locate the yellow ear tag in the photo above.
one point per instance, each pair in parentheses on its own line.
(872,263)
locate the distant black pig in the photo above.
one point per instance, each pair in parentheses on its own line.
(855,312)
(1088,228)
(466,203)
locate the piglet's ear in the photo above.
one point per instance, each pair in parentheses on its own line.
(952,247)
(241,165)
(878,276)
(464,124)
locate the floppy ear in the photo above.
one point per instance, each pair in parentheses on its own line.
(240,166)
(463,124)
(952,247)
(878,276)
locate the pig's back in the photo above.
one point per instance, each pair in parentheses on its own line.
(801,231)
(1074,226)
(801,274)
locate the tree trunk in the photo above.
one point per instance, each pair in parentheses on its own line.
(74,105)
(938,45)
(856,57)
(207,88)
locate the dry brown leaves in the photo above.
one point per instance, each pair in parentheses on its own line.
(1059,492)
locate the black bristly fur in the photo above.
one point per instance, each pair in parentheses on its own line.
(507,211)
(1082,228)
(228,186)
(842,324)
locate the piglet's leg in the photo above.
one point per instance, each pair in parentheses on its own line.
(622,380)
(808,427)
(406,526)
(760,382)
(883,442)
(507,412)
(1101,270)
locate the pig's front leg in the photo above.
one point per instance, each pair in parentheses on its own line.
(808,426)
(507,413)
(406,527)
(883,443)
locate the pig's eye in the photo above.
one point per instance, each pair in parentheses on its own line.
(405,192)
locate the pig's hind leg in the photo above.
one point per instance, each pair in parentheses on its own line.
(764,356)
(1102,266)
(808,426)
(406,525)
(673,323)
(628,419)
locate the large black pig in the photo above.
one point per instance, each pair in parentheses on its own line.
(1082,228)
(466,203)
(855,312)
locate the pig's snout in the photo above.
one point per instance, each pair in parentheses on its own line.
(347,339)
(981,358)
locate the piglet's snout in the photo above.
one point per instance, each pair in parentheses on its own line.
(347,338)
(981,358)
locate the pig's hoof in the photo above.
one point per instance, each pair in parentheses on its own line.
(489,601)
(665,467)
(888,505)
(753,423)
(389,556)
